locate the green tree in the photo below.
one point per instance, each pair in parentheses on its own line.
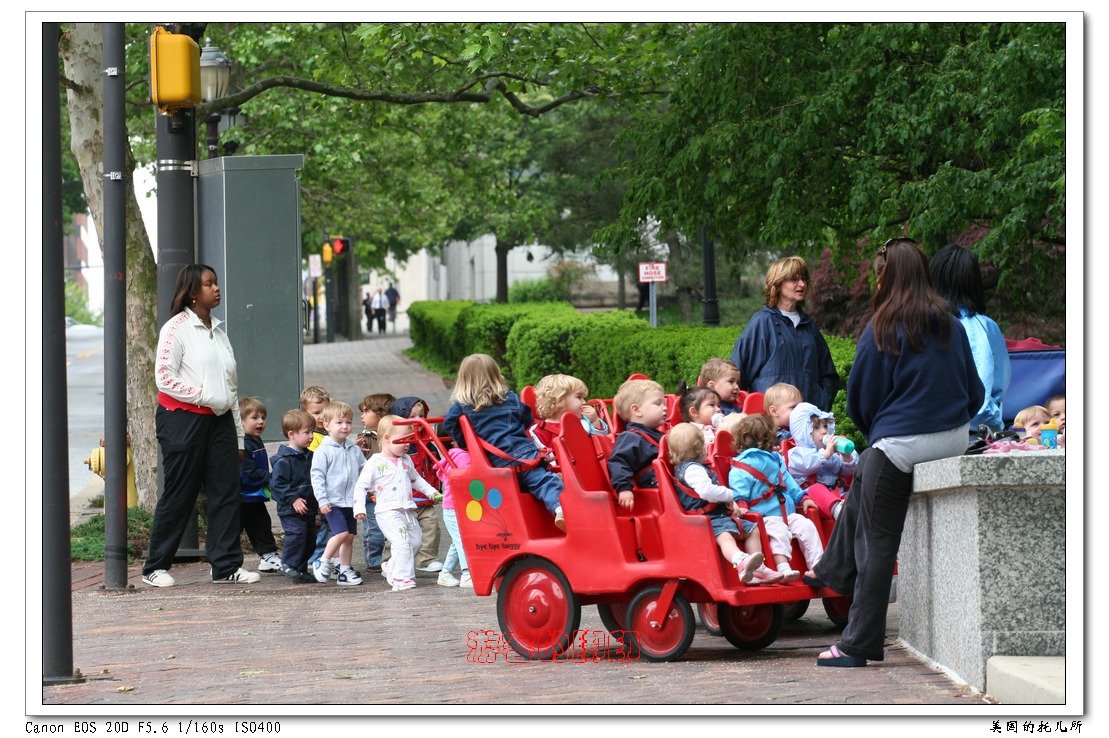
(821,135)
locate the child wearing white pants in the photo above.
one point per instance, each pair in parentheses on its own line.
(390,476)
(760,482)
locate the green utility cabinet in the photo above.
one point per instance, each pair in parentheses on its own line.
(248,226)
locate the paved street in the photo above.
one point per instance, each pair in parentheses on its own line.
(280,648)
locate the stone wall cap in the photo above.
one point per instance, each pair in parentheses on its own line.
(1012,469)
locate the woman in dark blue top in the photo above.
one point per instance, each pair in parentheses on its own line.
(912,391)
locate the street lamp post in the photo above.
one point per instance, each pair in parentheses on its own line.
(215,74)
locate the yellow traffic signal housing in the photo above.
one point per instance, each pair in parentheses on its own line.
(174,70)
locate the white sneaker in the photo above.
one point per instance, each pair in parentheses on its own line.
(560,521)
(321,570)
(385,571)
(465,582)
(446,579)
(788,575)
(270,562)
(241,576)
(349,578)
(433,567)
(158,578)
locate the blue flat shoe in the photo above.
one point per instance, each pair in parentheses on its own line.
(838,658)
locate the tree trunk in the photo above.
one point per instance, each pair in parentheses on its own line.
(502,250)
(82,57)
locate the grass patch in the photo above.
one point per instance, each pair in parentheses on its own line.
(86,540)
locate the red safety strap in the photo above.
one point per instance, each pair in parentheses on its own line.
(647,468)
(771,488)
(710,507)
(521,465)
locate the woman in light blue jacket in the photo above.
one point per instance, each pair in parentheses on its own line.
(957,277)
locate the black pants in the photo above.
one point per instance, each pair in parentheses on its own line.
(300,540)
(197,451)
(380,315)
(862,552)
(259,527)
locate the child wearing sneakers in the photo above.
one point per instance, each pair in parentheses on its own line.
(313,400)
(426,514)
(336,464)
(778,402)
(374,408)
(699,491)
(254,485)
(641,404)
(814,462)
(760,481)
(291,483)
(390,476)
(455,554)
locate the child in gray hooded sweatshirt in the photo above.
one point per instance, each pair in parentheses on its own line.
(813,461)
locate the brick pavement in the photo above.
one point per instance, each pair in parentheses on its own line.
(246,650)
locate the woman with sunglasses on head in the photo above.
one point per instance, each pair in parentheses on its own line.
(781,343)
(912,391)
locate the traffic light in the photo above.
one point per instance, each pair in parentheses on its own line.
(174,71)
(340,245)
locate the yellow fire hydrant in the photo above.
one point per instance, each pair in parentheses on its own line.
(95,463)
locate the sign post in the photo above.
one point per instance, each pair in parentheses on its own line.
(652,272)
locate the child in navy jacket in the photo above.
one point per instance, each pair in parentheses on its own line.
(641,403)
(291,485)
(254,483)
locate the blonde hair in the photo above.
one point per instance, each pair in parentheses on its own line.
(552,390)
(786,268)
(336,409)
(778,393)
(730,422)
(480,383)
(633,392)
(295,420)
(755,431)
(1028,414)
(385,427)
(251,406)
(714,370)
(685,442)
(313,394)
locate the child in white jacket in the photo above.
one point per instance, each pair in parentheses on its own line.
(390,476)
(820,470)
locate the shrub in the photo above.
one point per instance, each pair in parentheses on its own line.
(539,345)
(484,328)
(534,290)
(87,542)
(435,329)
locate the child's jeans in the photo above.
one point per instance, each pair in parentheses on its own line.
(455,554)
(799,527)
(373,540)
(403,531)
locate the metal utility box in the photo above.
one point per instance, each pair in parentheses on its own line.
(248,226)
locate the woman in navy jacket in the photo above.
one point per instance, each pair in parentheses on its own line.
(780,343)
(912,391)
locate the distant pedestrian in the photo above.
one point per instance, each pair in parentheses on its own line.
(379,303)
(335,468)
(254,485)
(367,306)
(393,296)
(198,429)
(291,485)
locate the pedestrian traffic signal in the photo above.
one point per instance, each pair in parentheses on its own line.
(340,245)
(174,71)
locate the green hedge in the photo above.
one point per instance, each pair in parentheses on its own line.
(531,340)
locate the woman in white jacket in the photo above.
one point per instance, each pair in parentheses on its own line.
(198,429)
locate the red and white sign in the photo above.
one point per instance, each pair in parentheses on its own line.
(652,271)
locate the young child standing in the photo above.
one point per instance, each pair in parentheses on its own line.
(428,517)
(641,404)
(374,408)
(699,491)
(813,461)
(336,464)
(291,484)
(778,402)
(501,419)
(722,376)
(701,407)
(456,554)
(254,485)
(760,481)
(390,477)
(556,395)
(313,400)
